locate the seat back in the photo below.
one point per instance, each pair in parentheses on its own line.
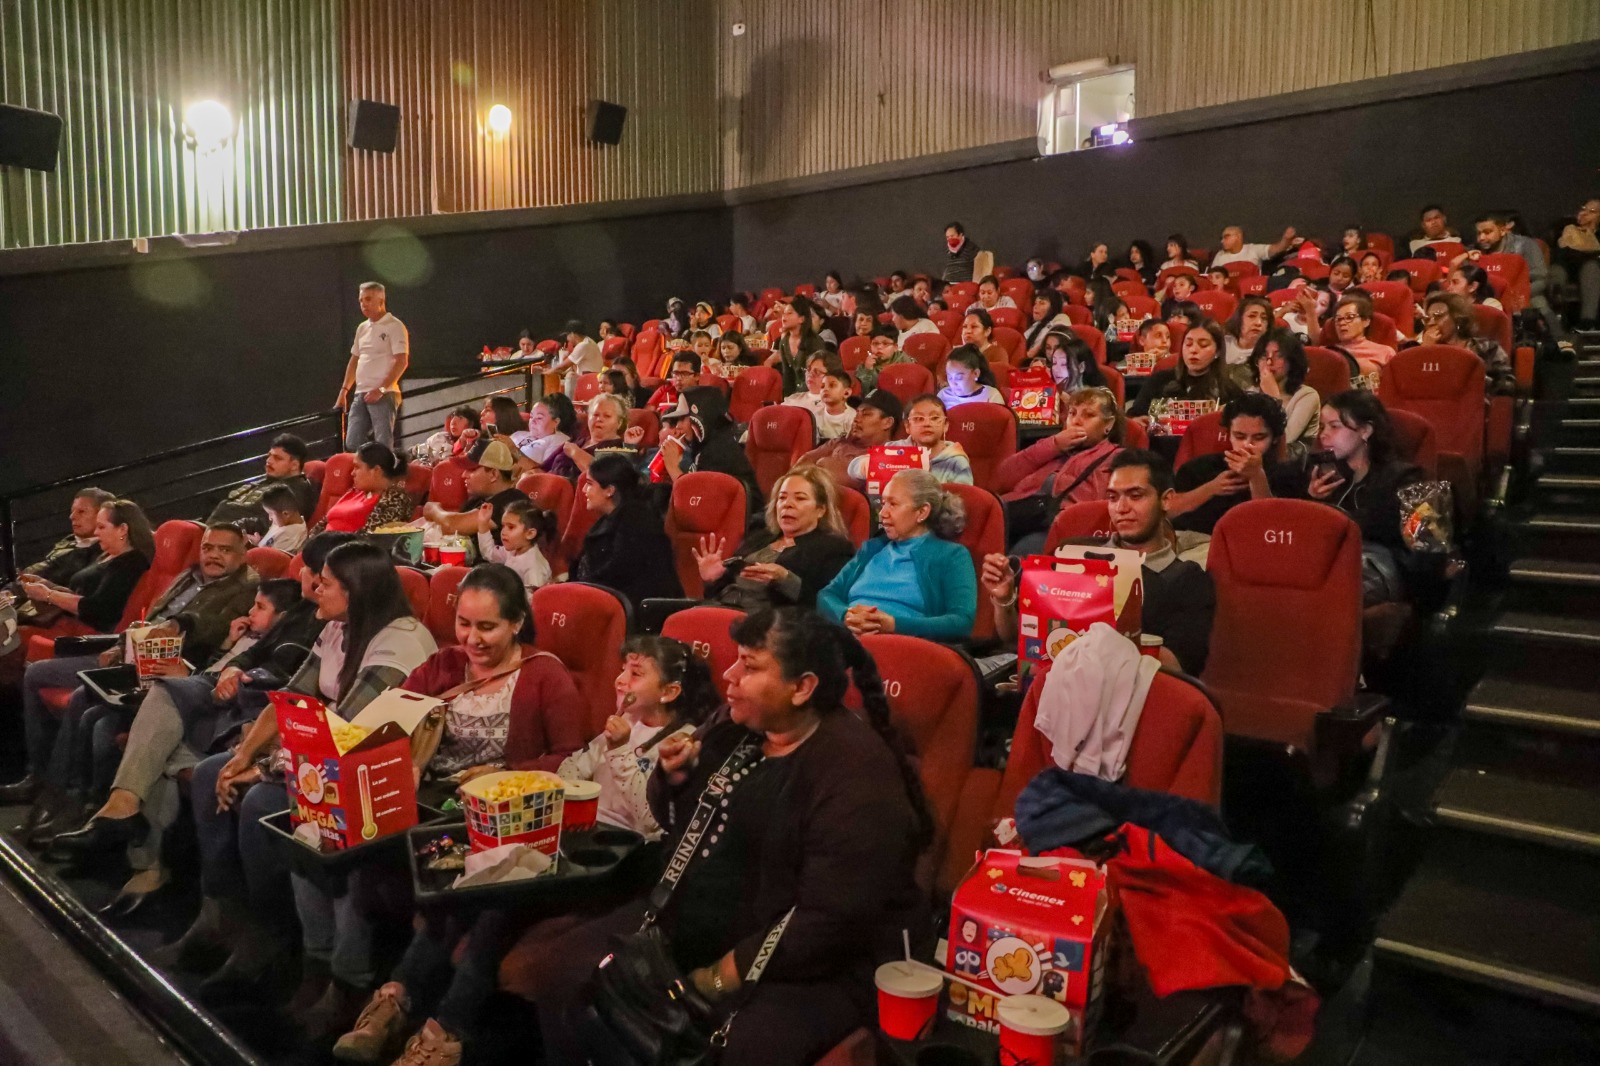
(1416,440)
(612,348)
(415,584)
(586,388)
(649,420)
(1394,299)
(584,626)
(1089,520)
(857,515)
(985,534)
(779,435)
(447,483)
(906,380)
(1287,567)
(419,481)
(959,295)
(1009,317)
(1422,272)
(1206,435)
(336,481)
(1141,306)
(553,493)
(929,349)
(1013,341)
(753,389)
(1219,305)
(1094,338)
(1445,385)
(1513,271)
(1117,384)
(933,692)
(1020,290)
(1241,268)
(853,350)
(703,502)
(1493,323)
(1327,371)
(1255,285)
(177,549)
(988,432)
(705,629)
(730,323)
(579,520)
(441,616)
(1077,314)
(268,563)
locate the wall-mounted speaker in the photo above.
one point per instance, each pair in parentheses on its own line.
(29,138)
(605,122)
(374,126)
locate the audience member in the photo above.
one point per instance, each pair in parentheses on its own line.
(708,441)
(1352,242)
(1352,317)
(990,297)
(797,341)
(977,331)
(1200,374)
(1179,292)
(915,577)
(1278,369)
(787,562)
(454,439)
(287,528)
(1208,486)
(1178,254)
(1496,234)
(703,319)
(524,530)
(552,422)
(809,395)
(1047,316)
(883,350)
(627,547)
(1447,319)
(65,560)
(285,463)
(1472,281)
(970,379)
(910,319)
(1141,259)
(676,323)
(377,495)
(1098,264)
(876,422)
(926,421)
(1434,229)
(1250,322)
(378,360)
(1072,363)
(1070,466)
(1577,259)
(97,594)
(961,254)
(491,489)
(608,432)
(683,374)
(580,356)
(1234,250)
(640,395)
(1370,268)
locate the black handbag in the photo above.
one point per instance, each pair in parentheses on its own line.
(639,1009)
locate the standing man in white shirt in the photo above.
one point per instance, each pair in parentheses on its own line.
(1234,250)
(378,360)
(582,356)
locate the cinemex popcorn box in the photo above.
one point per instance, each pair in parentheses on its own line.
(1021,925)
(353,780)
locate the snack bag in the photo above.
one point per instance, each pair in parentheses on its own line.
(1427,512)
(1032,396)
(887,460)
(1060,596)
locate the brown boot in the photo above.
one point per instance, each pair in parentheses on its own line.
(383,1019)
(335,1013)
(432,1046)
(207,941)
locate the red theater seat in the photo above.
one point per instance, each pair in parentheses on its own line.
(779,435)
(648,419)
(702,503)
(1206,436)
(584,626)
(1327,371)
(1422,272)
(1013,341)
(268,563)
(441,617)
(415,583)
(1094,338)
(985,534)
(1445,385)
(448,483)
(586,388)
(988,432)
(705,629)
(753,389)
(1009,317)
(930,350)
(1512,271)
(959,295)
(335,483)
(1021,292)
(1416,441)
(1218,305)
(1089,520)
(1394,299)
(856,513)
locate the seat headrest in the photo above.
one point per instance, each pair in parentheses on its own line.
(1285,544)
(1435,372)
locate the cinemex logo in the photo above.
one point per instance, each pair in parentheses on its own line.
(1074,594)
(1024,895)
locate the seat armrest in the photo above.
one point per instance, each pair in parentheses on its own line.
(1348,735)
(86,645)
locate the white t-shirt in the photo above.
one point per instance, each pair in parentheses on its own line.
(985,394)
(285,538)
(404,644)
(921,325)
(377,347)
(831,427)
(585,357)
(539,449)
(1249,253)
(531,565)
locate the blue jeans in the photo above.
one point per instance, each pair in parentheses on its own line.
(336,930)
(236,855)
(426,967)
(371,419)
(49,747)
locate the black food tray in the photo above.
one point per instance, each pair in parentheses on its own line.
(590,863)
(320,865)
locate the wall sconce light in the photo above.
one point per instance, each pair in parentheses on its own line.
(209,124)
(500,120)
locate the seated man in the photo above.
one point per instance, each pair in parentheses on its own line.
(1496,234)
(877,422)
(201,604)
(683,374)
(65,559)
(1207,486)
(1179,600)
(284,466)
(490,483)
(1234,250)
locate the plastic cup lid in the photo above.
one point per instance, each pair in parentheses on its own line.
(1034,1015)
(910,979)
(581,790)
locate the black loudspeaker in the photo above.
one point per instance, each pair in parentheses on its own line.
(374,126)
(29,138)
(605,122)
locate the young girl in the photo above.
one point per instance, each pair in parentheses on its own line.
(523,527)
(926,423)
(970,379)
(664,689)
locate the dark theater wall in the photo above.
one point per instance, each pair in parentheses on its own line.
(1531,145)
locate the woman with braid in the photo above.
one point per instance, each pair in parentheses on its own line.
(804,858)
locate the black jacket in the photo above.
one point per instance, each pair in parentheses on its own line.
(815,558)
(719,449)
(243,505)
(628,550)
(105,586)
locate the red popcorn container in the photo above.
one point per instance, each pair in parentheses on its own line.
(908,998)
(1030,1029)
(582,806)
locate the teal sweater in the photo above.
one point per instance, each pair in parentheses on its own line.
(949,588)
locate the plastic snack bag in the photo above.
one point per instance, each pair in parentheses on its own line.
(1426,517)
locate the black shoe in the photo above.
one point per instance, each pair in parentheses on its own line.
(62,815)
(128,902)
(19,792)
(256,964)
(206,944)
(101,835)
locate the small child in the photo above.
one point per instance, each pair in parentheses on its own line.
(1221,280)
(883,350)
(836,416)
(288,529)
(966,370)
(1155,338)
(523,527)
(816,374)
(664,689)
(273,598)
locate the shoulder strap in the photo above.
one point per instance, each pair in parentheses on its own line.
(1084,474)
(718,787)
(468,686)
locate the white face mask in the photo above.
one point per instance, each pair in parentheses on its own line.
(1035,272)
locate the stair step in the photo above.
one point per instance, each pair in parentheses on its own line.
(1537,810)
(1502,918)
(1573,451)
(1557,572)
(1583,401)
(1512,701)
(1584,632)
(1563,523)
(1581,482)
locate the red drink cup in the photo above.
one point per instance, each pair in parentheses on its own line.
(1030,1029)
(908,998)
(453,554)
(430,554)
(581,807)
(1151,645)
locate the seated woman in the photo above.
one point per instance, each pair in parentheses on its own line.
(977,331)
(816,373)
(370,642)
(377,495)
(1472,281)
(627,548)
(453,439)
(1071,466)
(1178,253)
(1278,369)
(552,422)
(969,378)
(801,548)
(1341,275)
(1141,258)
(1352,242)
(910,319)
(608,432)
(926,422)
(97,594)
(1106,308)
(1352,317)
(664,690)
(739,305)
(733,351)
(1250,322)
(1362,478)
(1048,317)
(1200,375)
(822,819)
(1071,362)
(914,578)
(1447,319)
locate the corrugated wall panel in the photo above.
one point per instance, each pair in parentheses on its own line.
(120,75)
(811,88)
